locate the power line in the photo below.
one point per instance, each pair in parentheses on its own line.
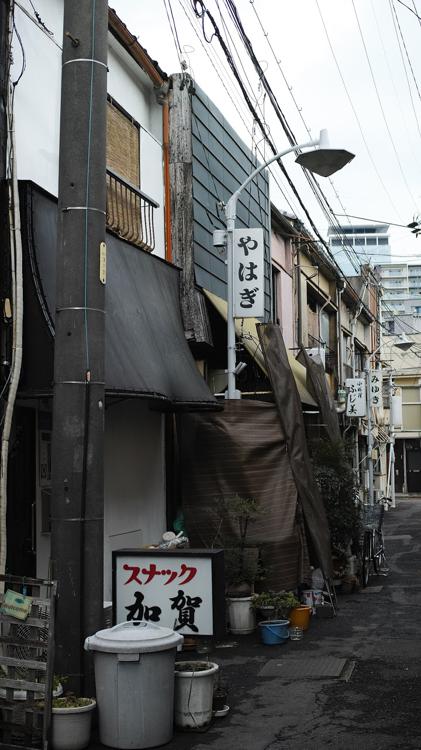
(354,111)
(381,106)
(410,9)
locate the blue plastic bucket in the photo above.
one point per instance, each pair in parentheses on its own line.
(274,632)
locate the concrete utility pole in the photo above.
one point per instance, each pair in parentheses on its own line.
(78,411)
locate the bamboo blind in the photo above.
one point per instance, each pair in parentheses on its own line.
(123,149)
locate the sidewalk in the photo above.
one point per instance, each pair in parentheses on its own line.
(282,698)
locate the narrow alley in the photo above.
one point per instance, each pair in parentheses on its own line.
(374,703)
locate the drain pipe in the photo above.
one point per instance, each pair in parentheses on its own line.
(17,302)
(325,304)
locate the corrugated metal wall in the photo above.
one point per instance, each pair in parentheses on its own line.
(221,162)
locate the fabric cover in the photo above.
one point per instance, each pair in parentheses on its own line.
(242,451)
(322,392)
(290,414)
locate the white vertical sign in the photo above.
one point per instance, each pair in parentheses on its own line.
(248,272)
(376,388)
(356,405)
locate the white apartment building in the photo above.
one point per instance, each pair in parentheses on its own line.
(401,300)
(365,243)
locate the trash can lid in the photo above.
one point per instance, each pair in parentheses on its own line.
(133,637)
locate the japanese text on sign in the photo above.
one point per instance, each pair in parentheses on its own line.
(248,271)
(376,388)
(356,401)
(170,591)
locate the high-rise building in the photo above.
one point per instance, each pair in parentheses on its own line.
(359,244)
(401,300)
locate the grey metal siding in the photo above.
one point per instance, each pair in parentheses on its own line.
(221,162)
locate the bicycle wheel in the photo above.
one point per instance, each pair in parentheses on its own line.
(366,558)
(379,557)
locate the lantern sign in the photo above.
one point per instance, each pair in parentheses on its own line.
(376,387)
(248,272)
(180,589)
(356,402)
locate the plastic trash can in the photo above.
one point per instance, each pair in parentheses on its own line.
(134,678)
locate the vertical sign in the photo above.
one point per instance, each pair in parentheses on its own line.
(376,388)
(356,402)
(248,272)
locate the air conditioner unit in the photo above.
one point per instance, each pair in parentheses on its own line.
(318,352)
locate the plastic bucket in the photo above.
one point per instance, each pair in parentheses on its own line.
(241,615)
(299,617)
(274,632)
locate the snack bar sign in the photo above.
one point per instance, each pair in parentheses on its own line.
(356,401)
(173,589)
(248,271)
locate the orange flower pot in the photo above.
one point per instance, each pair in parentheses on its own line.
(299,617)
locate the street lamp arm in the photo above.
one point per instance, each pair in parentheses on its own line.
(231,206)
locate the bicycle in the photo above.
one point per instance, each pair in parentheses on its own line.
(373,551)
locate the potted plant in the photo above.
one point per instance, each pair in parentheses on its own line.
(235,515)
(338,488)
(193,694)
(275,604)
(71,722)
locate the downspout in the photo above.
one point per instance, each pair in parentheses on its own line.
(339,336)
(167,191)
(299,303)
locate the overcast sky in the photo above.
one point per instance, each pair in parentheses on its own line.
(379,120)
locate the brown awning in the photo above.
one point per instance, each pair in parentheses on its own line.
(245,329)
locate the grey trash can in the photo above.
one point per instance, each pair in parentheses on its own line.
(134,678)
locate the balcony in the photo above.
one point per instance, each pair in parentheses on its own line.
(130,213)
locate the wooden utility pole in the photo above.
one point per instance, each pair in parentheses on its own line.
(78,410)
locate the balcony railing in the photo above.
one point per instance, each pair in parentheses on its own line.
(130,213)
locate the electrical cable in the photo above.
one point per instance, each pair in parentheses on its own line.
(382,108)
(354,111)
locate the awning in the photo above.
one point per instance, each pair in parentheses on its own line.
(146,352)
(246,331)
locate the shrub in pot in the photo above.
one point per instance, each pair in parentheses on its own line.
(235,514)
(71,722)
(275,604)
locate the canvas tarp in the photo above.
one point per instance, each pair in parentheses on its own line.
(290,414)
(318,385)
(242,450)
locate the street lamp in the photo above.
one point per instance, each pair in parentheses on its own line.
(323,161)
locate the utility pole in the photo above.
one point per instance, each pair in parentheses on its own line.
(78,407)
(391,444)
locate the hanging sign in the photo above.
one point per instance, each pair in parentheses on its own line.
(248,272)
(356,402)
(376,388)
(180,589)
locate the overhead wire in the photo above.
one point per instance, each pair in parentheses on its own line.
(376,89)
(397,27)
(354,111)
(239,107)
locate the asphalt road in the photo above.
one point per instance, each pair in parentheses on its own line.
(373,706)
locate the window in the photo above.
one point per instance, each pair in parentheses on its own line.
(383,241)
(360,241)
(371,241)
(336,243)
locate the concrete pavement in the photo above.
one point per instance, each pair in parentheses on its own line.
(376,631)
(375,702)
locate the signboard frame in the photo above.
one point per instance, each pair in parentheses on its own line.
(216,557)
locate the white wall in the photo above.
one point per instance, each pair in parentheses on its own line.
(135,493)
(37,106)
(134,479)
